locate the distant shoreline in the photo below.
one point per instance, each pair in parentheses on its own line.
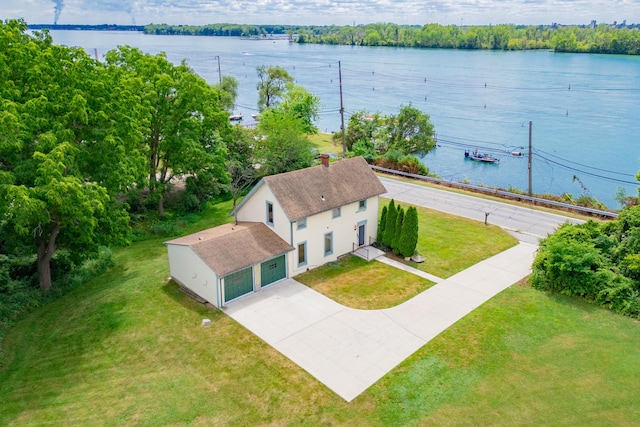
(80,27)
(617,39)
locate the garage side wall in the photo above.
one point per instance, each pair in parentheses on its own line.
(190,271)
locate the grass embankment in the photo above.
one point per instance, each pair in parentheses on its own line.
(128,349)
(323,143)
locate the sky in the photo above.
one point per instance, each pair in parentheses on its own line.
(321,12)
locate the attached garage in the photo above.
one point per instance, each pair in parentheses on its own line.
(221,264)
(273,270)
(238,284)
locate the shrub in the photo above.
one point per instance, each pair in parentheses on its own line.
(390,226)
(398,230)
(395,160)
(409,236)
(382,223)
(600,263)
(567,267)
(619,294)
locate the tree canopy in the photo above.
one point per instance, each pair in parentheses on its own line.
(272,85)
(302,104)
(70,141)
(410,133)
(281,143)
(184,127)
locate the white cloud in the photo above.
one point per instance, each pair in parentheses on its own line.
(322,12)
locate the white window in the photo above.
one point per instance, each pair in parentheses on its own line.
(335,213)
(362,205)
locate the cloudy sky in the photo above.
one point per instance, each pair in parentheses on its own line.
(321,12)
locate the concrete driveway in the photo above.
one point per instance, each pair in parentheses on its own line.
(347,349)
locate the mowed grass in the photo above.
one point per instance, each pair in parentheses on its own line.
(323,143)
(451,243)
(128,349)
(356,283)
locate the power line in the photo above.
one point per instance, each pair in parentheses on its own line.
(586,166)
(585,172)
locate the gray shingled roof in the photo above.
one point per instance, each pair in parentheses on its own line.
(229,248)
(301,192)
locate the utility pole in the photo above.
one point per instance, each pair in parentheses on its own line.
(344,141)
(219,73)
(530,169)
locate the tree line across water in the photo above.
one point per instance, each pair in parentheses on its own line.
(603,38)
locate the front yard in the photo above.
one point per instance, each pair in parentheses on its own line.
(356,283)
(449,244)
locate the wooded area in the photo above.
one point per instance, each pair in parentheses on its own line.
(603,38)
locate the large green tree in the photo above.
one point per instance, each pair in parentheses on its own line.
(240,163)
(229,93)
(272,85)
(365,129)
(69,138)
(411,132)
(281,144)
(185,128)
(302,104)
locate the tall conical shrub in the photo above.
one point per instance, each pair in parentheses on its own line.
(382,223)
(409,235)
(390,226)
(398,228)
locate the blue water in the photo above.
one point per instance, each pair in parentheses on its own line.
(583,108)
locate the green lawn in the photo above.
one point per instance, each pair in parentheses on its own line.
(128,349)
(357,283)
(323,143)
(451,243)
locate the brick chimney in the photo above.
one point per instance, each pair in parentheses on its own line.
(325,159)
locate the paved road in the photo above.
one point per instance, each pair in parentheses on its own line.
(528,225)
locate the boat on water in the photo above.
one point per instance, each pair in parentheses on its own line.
(486,158)
(235,117)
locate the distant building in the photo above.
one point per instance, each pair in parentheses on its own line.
(593,24)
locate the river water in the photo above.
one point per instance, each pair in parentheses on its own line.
(584,108)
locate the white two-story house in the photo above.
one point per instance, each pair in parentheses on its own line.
(288,224)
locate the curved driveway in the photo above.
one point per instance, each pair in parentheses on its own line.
(347,349)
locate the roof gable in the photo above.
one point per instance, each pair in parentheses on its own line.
(229,248)
(309,191)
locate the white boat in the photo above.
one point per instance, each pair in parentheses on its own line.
(486,158)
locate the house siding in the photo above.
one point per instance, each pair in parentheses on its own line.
(345,234)
(188,269)
(255,210)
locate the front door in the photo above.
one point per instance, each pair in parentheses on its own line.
(361,234)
